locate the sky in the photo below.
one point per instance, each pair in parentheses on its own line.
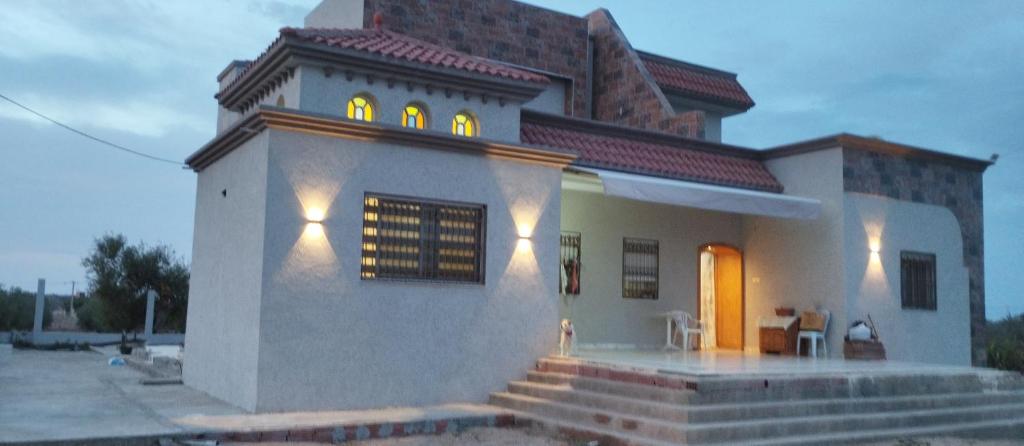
(940,74)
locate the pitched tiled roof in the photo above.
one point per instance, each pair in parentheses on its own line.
(401,47)
(697,81)
(622,149)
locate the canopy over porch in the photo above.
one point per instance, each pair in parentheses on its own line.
(691,194)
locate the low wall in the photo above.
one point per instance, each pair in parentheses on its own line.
(53,337)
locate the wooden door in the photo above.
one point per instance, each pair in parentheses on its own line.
(729,297)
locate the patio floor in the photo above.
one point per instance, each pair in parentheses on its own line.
(735,363)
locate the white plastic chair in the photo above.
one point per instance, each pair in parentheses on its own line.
(814,336)
(688,325)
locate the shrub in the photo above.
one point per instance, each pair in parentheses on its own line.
(17,309)
(91,315)
(1006,344)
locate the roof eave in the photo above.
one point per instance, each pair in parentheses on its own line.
(734,107)
(609,129)
(283,54)
(285,119)
(856,142)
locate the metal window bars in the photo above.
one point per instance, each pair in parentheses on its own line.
(917,281)
(639,268)
(570,263)
(415,239)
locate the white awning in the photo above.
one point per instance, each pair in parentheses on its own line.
(703,196)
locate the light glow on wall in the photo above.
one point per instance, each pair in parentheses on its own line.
(315,215)
(875,281)
(523,246)
(525,231)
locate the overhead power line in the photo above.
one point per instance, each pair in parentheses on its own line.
(99,140)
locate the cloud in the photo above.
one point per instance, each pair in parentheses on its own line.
(151,117)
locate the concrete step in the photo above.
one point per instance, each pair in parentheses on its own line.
(747,388)
(583,432)
(744,430)
(738,431)
(593,418)
(565,393)
(598,385)
(994,429)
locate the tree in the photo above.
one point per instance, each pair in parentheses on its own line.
(18,308)
(120,275)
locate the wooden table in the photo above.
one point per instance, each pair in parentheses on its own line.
(778,334)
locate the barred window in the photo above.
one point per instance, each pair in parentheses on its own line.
(570,261)
(917,280)
(417,239)
(639,268)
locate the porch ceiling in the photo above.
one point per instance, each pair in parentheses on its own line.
(696,195)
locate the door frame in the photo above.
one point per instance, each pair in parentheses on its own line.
(743,287)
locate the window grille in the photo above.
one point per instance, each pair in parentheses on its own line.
(570,263)
(639,268)
(415,239)
(917,280)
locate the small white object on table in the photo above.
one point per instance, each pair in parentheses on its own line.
(782,322)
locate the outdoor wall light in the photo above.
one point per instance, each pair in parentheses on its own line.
(524,244)
(524,232)
(315,215)
(314,223)
(875,247)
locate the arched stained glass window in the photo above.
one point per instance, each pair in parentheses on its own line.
(360,108)
(464,125)
(414,116)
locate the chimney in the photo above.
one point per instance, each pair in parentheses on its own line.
(343,14)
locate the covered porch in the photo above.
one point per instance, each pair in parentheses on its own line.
(739,364)
(636,247)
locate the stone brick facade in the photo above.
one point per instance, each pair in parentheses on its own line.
(935,182)
(625,92)
(508,31)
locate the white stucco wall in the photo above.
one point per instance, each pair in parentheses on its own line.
(222,332)
(799,263)
(600,314)
(342,14)
(330,340)
(873,283)
(329,95)
(552,99)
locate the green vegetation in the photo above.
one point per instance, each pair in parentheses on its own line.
(17,307)
(1006,343)
(120,274)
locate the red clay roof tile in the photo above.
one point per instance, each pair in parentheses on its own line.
(681,159)
(392,45)
(700,82)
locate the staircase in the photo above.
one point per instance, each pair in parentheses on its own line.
(637,407)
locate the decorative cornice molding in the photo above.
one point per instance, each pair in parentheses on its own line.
(296,121)
(854,142)
(288,53)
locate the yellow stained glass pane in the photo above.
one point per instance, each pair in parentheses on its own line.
(462,125)
(412,117)
(360,109)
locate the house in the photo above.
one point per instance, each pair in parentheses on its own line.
(400,194)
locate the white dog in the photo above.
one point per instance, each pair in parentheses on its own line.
(568,339)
